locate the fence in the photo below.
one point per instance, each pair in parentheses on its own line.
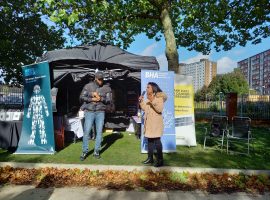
(257,107)
(11,97)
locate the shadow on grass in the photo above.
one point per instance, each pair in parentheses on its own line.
(7,156)
(184,157)
(211,158)
(4,155)
(107,141)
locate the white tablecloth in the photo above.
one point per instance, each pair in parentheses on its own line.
(74,124)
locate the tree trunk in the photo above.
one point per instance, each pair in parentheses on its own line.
(171,50)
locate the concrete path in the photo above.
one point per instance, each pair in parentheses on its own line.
(12,192)
(27,192)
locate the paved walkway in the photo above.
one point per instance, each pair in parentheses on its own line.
(23,192)
(26,192)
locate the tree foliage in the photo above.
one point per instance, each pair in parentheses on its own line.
(195,24)
(234,82)
(23,37)
(201,94)
(226,83)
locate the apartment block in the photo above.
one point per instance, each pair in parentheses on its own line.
(202,72)
(256,69)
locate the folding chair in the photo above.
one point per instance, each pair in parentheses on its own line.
(218,129)
(240,132)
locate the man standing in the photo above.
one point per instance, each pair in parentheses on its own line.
(95,95)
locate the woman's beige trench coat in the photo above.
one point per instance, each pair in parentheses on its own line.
(153,120)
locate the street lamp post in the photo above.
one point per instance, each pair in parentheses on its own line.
(220,101)
(263,87)
(207,104)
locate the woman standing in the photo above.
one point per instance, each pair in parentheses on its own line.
(153,121)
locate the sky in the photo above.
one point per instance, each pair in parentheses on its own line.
(226,60)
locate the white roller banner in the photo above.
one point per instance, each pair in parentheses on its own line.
(184,111)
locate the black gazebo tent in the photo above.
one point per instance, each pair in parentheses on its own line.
(72,68)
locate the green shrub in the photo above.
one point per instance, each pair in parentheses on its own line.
(179,177)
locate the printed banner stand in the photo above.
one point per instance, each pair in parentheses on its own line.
(37,136)
(184,111)
(165,81)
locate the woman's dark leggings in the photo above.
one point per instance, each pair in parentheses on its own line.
(155,142)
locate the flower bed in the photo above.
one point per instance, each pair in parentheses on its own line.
(136,180)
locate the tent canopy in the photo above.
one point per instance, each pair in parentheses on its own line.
(82,61)
(72,68)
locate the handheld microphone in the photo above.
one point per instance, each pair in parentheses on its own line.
(143,93)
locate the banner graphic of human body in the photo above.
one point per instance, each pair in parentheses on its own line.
(37,136)
(184,111)
(165,81)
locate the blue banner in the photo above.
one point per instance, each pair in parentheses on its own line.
(37,136)
(165,81)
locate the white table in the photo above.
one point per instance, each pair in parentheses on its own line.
(75,124)
(137,125)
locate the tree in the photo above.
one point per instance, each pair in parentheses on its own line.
(230,82)
(23,37)
(215,87)
(226,83)
(196,24)
(201,94)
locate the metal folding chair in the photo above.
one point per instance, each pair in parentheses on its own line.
(217,131)
(240,132)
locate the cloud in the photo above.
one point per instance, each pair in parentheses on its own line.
(163,63)
(238,52)
(149,51)
(197,58)
(225,65)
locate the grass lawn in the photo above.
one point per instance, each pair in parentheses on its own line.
(124,149)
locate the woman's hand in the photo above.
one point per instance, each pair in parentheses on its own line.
(141,98)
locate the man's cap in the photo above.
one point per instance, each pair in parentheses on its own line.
(99,75)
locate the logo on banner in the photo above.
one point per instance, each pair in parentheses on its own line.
(156,75)
(29,72)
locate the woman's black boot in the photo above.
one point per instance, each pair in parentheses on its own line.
(159,155)
(158,163)
(149,160)
(150,153)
